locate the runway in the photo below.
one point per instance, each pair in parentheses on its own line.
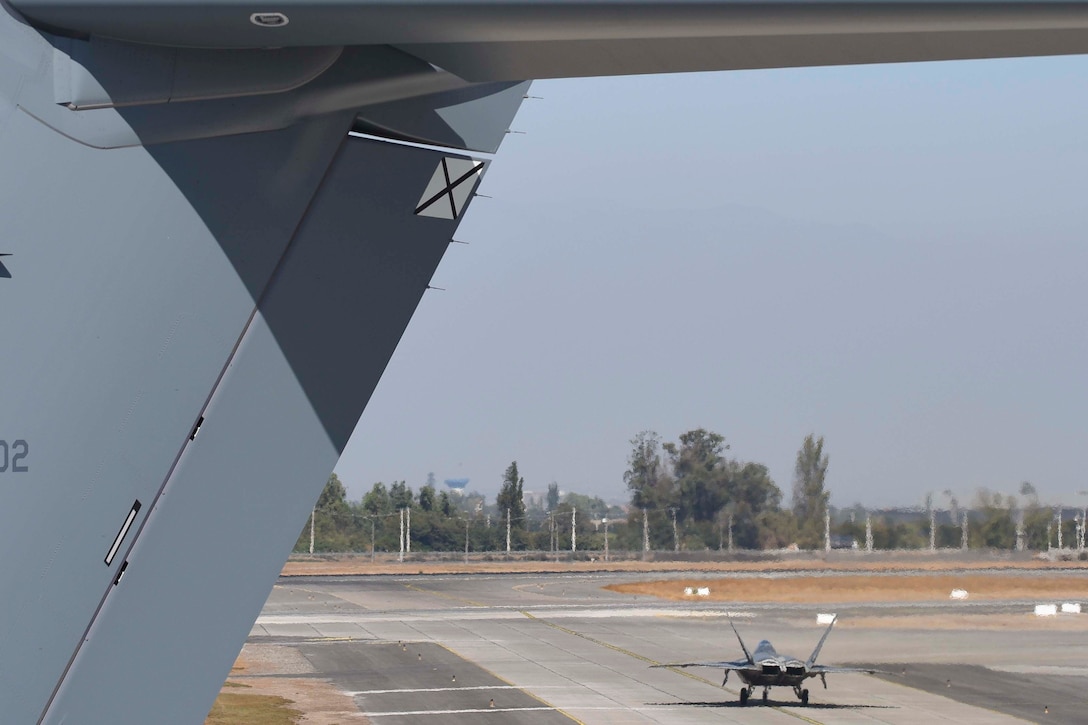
(558,648)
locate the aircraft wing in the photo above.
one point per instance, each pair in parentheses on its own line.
(732,665)
(831,669)
(517,39)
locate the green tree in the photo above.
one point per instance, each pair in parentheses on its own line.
(702,478)
(445,504)
(753,497)
(401,495)
(427,497)
(809,497)
(334,495)
(993,524)
(553,496)
(377,500)
(643,475)
(511,496)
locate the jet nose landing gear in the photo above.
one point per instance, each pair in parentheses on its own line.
(802,695)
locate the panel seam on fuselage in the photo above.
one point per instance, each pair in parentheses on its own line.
(187,441)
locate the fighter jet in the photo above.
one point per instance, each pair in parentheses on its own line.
(767,668)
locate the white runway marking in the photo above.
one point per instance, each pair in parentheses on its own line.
(472,711)
(448,689)
(414,713)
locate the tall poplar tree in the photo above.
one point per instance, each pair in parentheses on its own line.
(511,496)
(809,497)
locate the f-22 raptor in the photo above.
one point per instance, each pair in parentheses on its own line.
(767,668)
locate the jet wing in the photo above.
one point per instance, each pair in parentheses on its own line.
(517,39)
(734,665)
(830,669)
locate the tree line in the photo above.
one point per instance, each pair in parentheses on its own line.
(446,521)
(686,495)
(721,502)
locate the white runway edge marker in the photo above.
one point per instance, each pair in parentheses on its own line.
(703,591)
(825,618)
(1046,610)
(958,594)
(1071,608)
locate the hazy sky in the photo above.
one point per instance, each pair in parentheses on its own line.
(892,257)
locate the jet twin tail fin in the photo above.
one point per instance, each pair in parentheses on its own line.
(745,649)
(816,652)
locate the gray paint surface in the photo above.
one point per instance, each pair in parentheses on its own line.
(119,317)
(217,537)
(533,38)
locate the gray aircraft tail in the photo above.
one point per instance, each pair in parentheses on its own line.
(200,296)
(743,648)
(816,652)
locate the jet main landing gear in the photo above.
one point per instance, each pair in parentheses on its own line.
(802,695)
(745,692)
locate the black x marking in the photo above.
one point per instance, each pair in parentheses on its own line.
(4,270)
(450,186)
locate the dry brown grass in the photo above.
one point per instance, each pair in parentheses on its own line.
(236,708)
(890,588)
(349,565)
(272,699)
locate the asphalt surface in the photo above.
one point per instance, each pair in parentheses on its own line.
(559,648)
(382,677)
(1029,693)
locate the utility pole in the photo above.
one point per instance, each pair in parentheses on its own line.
(466,540)
(508,531)
(827,531)
(313,513)
(1020,531)
(372,520)
(675,533)
(408,532)
(963,531)
(645,533)
(604,520)
(573,531)
(932,527)
(869,533)
(730,531)
(401,556)
(1058,518)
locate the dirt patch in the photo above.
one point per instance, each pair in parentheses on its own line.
(349,565)
(257,681)
(889,588)
(243,708)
